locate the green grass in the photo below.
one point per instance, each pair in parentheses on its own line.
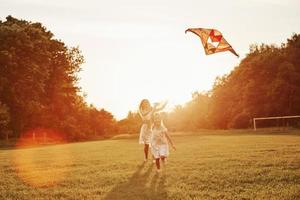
(218,166)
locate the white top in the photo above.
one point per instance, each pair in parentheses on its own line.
(159,144)
(159,136)
(146,116)
(145,133)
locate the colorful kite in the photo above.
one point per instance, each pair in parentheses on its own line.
(212,40)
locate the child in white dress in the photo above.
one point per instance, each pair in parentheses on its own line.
(146,112)
(159,141)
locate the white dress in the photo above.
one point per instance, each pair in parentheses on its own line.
(145,132)
(159,143)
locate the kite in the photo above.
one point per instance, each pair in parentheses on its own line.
(212,40)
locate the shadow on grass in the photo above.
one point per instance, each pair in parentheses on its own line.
(141,185)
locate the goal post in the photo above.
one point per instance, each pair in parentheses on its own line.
(272,118)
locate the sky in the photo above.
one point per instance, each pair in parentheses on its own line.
(136,49)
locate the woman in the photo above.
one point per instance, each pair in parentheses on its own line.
(146,112)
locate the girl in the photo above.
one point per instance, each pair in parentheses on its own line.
(159,141)
(146,112)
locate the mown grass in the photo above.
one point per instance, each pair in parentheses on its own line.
(218,166)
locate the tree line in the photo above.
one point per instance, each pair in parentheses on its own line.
(39,89)
(265,83)
(38,85)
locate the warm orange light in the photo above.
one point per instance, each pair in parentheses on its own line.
(41,166)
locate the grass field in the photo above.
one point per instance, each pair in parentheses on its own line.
(218,166)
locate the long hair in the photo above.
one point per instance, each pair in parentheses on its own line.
(143,103)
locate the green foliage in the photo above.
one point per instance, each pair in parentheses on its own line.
(131,124)
(4,120)
(266,83)
(190,117)
(38,83)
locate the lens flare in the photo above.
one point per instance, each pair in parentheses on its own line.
(40,165)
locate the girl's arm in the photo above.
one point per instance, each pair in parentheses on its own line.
(170,140)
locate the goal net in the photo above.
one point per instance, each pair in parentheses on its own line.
(277,122)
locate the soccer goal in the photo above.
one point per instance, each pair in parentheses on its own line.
(281,121)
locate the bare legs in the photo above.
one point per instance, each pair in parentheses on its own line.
(157,162)
(163,159)
(146,150)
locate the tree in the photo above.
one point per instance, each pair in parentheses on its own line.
(4,120)
(131,124)
(38,83)
(266,83)
(192,116)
